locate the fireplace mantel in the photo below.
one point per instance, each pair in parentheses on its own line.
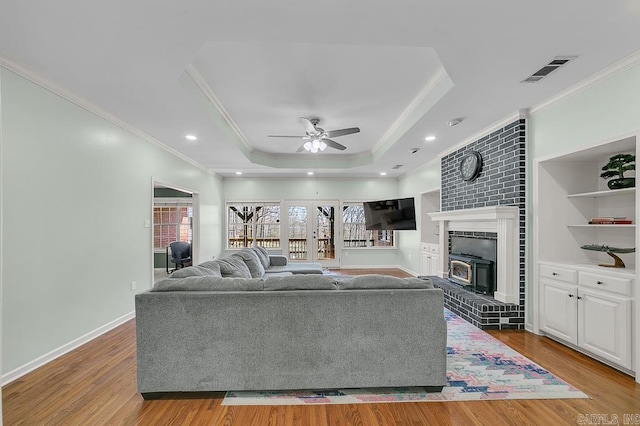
(503,220)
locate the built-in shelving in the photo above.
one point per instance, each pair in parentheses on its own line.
(606,193)
(576,286)
(607,225)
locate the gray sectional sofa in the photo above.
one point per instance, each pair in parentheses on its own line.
(259,263)
(200,331)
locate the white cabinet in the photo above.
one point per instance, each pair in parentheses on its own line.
(588,308)
(604,326)
(559,315)
(430,255)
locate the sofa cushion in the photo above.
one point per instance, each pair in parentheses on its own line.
(233,266)
(194,271)
(209,283)
(252,261)
(269,274)
(298,268)
(213,266)
(277,260)
(263,255)
(299,282)
(376,281)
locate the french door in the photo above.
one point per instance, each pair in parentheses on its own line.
(311,230)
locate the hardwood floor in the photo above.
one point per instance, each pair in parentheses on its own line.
(96,385)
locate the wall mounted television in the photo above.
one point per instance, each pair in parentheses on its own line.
(390,215)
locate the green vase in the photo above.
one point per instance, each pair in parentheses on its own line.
(621,183)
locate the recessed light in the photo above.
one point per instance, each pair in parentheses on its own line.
(310,173)
(191,137)
(430,138)
(455,122)
(238,173)
(383,173)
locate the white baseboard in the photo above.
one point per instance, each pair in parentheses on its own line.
(408,271)
(369,267)
(56,353)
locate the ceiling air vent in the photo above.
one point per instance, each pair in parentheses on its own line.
(397,166)
(557,62)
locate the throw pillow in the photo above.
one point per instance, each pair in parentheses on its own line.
(263,255)
(234,266)
(300,282)
(379,282)
(213,266)
(191,271)
(209,283)
(252,261)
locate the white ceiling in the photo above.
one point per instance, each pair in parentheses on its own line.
(234,72)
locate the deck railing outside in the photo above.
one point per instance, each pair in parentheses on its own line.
(298,246)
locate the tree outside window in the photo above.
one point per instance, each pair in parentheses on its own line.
(253,224)
(354,231)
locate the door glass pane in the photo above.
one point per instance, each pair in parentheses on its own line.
(326,232)
(240,227)
(268,226)
(298,232)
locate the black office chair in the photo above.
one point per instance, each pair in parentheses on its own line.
(180,253)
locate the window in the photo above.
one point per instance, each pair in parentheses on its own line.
(171,222)
(354,232)
(249,223)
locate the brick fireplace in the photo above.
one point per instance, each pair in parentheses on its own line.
(480,206)
(484,311)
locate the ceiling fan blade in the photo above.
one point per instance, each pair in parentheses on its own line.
(281,136)
(308,125)
(342,132)
(301,149)
(334,144)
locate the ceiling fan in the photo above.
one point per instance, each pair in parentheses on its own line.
(317,139)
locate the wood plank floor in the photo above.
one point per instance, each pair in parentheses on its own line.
(96,385)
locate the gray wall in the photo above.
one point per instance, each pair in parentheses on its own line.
(76,191)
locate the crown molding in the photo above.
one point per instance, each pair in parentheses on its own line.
(484,132)
(619,67)
(523,113)
(66,94)
(438,77)
(611,71)
(202,85)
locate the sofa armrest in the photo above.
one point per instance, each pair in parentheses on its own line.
(277,260)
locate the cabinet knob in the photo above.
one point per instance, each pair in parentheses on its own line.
(555,274)
(570,295)
(579,297)
(599,282)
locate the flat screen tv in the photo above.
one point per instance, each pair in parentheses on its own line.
(390,215)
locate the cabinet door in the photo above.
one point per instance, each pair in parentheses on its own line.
(433,264)
(604,326)
(558,311)
(426,263)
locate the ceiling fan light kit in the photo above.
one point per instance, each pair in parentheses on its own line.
(317,139)
(314,146)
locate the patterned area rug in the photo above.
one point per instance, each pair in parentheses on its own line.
(479,367)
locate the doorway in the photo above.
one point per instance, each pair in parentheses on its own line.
(311,231)
(175,217)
